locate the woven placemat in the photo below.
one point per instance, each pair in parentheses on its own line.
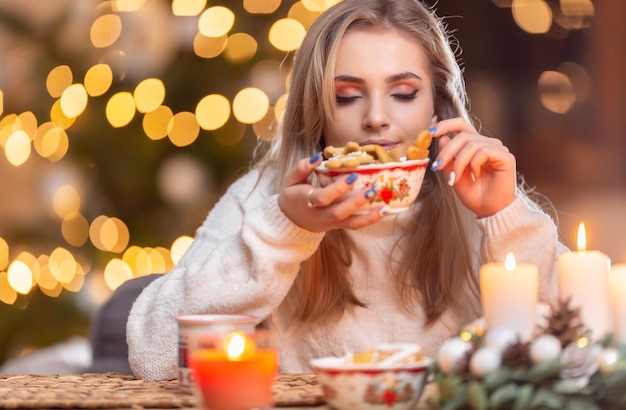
(116,391)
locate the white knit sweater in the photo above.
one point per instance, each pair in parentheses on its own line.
(246,256)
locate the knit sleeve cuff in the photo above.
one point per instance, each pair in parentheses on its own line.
(506,219)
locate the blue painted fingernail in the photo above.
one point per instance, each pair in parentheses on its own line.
(371,193)
(435,165)
(315,157)
(351,178)
(432,130)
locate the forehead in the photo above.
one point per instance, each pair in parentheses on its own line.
(378,49)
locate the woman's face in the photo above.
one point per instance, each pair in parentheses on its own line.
(383,89)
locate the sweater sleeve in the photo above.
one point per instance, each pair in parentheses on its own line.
(244,259)
(531,235)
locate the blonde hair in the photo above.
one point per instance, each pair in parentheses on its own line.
(437,251)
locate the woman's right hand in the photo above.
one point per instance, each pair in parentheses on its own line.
(318,209)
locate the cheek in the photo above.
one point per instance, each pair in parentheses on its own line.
(343,129)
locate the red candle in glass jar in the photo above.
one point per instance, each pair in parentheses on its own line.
(234,374)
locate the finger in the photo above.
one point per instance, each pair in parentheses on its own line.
(452,126)
(476,155)
(368,218)
(303,169)
(351,204)
(332,192)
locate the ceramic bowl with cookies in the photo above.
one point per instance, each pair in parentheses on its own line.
(388,376)
(397,180)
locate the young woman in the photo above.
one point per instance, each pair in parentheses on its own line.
(279,248)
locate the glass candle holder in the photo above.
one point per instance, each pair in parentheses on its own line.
(234,371)
(191,326)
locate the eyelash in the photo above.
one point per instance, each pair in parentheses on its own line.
(402,97)
(406,97)
(343,100)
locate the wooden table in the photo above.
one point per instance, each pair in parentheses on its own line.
(119,391)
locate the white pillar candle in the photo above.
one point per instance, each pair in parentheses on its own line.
(509,296)
(583,278)
(617,283)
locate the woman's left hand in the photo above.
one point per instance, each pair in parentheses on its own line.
(481,169)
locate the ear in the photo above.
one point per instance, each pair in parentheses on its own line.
(433,120)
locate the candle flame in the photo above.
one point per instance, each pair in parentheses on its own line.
(235,345)
(509,262)
(582,237)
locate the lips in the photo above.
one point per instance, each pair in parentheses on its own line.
(387,145)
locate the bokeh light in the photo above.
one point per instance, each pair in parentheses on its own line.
(556,92)
(149,95)
(51,142)
(117,272)
(213,111)
(74,100)
(300,13)
(66,201)
(17,148)
(105,30)
(180,246)
(109,234)
(98,79)
(58,117)
(120,109)
(27,122)
(216,21)
(158,123)
(209,47)
(261,6)
(250,105)
(8,295)
(188,7)
(59,78)
(579,77)
(319,5)
(287,34)
(240,48)
(533,16)
(75,229)
(127,5)
(577,8)
(184,129)
(4,254)
(20,277)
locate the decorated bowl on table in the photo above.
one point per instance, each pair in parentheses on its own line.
(397,183)
(356,381)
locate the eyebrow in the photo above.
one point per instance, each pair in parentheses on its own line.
(391,79)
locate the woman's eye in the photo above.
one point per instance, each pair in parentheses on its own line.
(406,97)
(343,99)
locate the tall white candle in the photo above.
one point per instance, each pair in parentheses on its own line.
(509,294)
(583,277)
(617,282)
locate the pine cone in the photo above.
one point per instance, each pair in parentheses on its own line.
(517,355)
(564,323)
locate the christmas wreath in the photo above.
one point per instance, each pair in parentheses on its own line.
(560,368)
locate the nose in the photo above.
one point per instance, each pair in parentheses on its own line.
(376,116)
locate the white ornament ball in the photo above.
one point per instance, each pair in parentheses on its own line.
(501,338)
(608,360)
(451,354)
(485,360)
(545,348)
